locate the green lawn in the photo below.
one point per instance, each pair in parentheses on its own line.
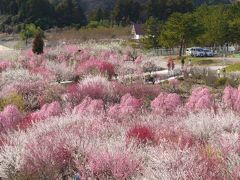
(233,68)
(201,61)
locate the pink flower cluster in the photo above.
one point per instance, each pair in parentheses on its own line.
(200,99)
(128,105)
(10,117)
(89,106)
(47,110)
(5,65)
(166,104)
(93,87)
(142,134)
(46,154)
(96,66)
(120,165)
(231,98)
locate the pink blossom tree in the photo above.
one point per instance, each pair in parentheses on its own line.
(5,65)
(47,110)
(166,104)
(89,106)
(120,165)
(46,157)
(142,134)
(95,87)
(231,98)
(128,106)
(96,66)
(200,99)
(10,117)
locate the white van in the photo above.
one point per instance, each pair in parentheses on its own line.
(195,52)
(208,52)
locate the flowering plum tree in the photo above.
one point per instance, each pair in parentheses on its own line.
(200,99)
(166,104)
(48,110)
(142,134)
(231,98)
(10,117)
(96,66)
(128,106)
(89,106)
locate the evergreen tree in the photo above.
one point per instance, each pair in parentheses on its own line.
(214,20)
(180,30)
(152,29)
(97,15)
(126,11)
(29,31)
(38,44)
(119,12)
(70,12)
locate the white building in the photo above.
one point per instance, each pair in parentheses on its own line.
(137,31)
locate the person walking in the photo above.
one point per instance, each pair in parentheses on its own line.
(182,62)
(224,72)
(218,73)
(189,66)
(172,67)
(169,66)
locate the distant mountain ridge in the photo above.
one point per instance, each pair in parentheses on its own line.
(91,5)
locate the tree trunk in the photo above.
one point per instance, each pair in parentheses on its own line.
(227,50)
(181,47)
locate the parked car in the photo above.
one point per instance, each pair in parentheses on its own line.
(231,49)
(195,52)
(208,53)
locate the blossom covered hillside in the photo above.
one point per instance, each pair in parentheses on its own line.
(85,109)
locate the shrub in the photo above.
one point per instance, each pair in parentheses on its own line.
(51,93)
(95,67)
(200,99)
(13,99)
(46,157)
(47,110)
(89,106)
(205,124)
(96,87)
(128,106)
(18,76)
(166,104)
(142,134)
(10,117)
(221,81)
(141,91)
(176,136)
(117,165)
(5,65)
(231,98)
(38,44)
(62,71)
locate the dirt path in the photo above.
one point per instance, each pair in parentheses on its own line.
(8,53)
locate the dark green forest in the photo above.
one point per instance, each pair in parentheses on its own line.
(14,14)
(217,25)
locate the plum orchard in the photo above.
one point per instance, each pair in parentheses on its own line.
(105,129)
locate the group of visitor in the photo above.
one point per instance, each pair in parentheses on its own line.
(184,68)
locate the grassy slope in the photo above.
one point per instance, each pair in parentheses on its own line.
(90,33)
(233,68)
